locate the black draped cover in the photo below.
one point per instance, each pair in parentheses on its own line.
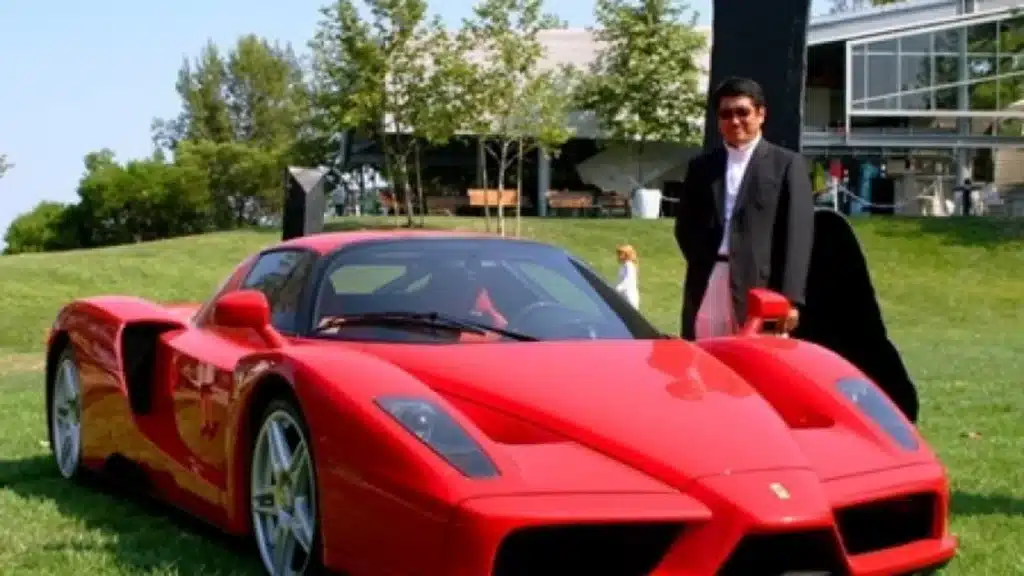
(842,311)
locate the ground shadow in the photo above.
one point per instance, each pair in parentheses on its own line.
(148,536)
(977,232)
(974,504)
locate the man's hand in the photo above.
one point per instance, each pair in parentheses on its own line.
(791,321)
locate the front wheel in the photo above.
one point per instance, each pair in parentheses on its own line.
(64,416)
(283,502)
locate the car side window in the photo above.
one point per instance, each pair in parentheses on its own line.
(281,275)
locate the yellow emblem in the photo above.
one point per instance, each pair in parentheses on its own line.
(779,490)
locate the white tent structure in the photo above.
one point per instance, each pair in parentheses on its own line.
(616,168)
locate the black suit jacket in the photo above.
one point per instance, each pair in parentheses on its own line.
(771,233)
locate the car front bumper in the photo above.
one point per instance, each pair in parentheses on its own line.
(732,524)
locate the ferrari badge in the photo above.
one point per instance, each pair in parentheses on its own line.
(779,490)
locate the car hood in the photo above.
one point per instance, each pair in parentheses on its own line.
(664,407)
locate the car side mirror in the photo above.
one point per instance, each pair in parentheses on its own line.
(247,309)
(764,307)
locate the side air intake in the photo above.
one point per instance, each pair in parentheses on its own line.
(138,353)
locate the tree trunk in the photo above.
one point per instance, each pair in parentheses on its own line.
(519,190)
(407,192)
(502,163)
(392,179)
(481,149)
(362,191)
(640,164)
(640,175)
(419,186)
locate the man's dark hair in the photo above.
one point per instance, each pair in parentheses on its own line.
(736,87)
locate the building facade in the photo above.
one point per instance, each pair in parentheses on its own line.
(920,95)
(923,94)
(928,93)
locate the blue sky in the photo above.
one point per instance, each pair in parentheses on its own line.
(79,76)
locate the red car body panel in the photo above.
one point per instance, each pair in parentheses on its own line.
(730,438)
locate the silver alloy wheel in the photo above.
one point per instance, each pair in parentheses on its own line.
(283,495)
(66,417)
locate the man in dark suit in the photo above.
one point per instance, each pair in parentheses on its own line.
(745,219)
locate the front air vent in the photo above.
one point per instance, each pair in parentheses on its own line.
(887,523)
(815,553)
(594,550)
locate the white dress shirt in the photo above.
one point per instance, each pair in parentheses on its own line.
(735,167)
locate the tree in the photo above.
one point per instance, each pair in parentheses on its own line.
(407,99)
(644,84)
(436,108)
(368,75)
(204,114)
(256,94)
(543,122)
(341,42)
(240,124)
(139,200)
(37,230)
(241,183)
(4,165)
(266,93)
(511,102)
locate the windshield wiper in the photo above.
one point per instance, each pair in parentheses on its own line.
(428,319)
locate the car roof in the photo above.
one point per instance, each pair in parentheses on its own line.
(328,242)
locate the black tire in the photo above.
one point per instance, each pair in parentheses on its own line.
(312,564)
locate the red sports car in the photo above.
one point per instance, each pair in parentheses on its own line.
(448,404)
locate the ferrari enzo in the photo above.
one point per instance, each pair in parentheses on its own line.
(449,404)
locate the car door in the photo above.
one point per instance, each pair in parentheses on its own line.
(203,362)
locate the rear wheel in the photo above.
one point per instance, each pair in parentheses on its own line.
(282,499)
(64,408)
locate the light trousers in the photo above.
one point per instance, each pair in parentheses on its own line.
(716,316)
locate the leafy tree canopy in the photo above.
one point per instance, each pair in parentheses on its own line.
(255,94)
(644,84)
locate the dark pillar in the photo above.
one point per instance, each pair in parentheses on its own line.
(766,41)
(304,202)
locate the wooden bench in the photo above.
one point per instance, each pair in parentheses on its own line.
(570,200)
(445,205)
(585,204)
(575,203)
(612,202)
(479,198)
(389,203)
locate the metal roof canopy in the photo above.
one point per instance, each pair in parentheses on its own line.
(892,18)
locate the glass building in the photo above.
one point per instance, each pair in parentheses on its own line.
(972,72)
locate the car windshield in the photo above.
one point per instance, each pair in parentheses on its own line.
(454,290)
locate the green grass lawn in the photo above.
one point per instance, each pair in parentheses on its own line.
(952,292)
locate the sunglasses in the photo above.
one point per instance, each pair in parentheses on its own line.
(741,112)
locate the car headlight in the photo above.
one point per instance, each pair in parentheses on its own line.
(873,403)
(441,433)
